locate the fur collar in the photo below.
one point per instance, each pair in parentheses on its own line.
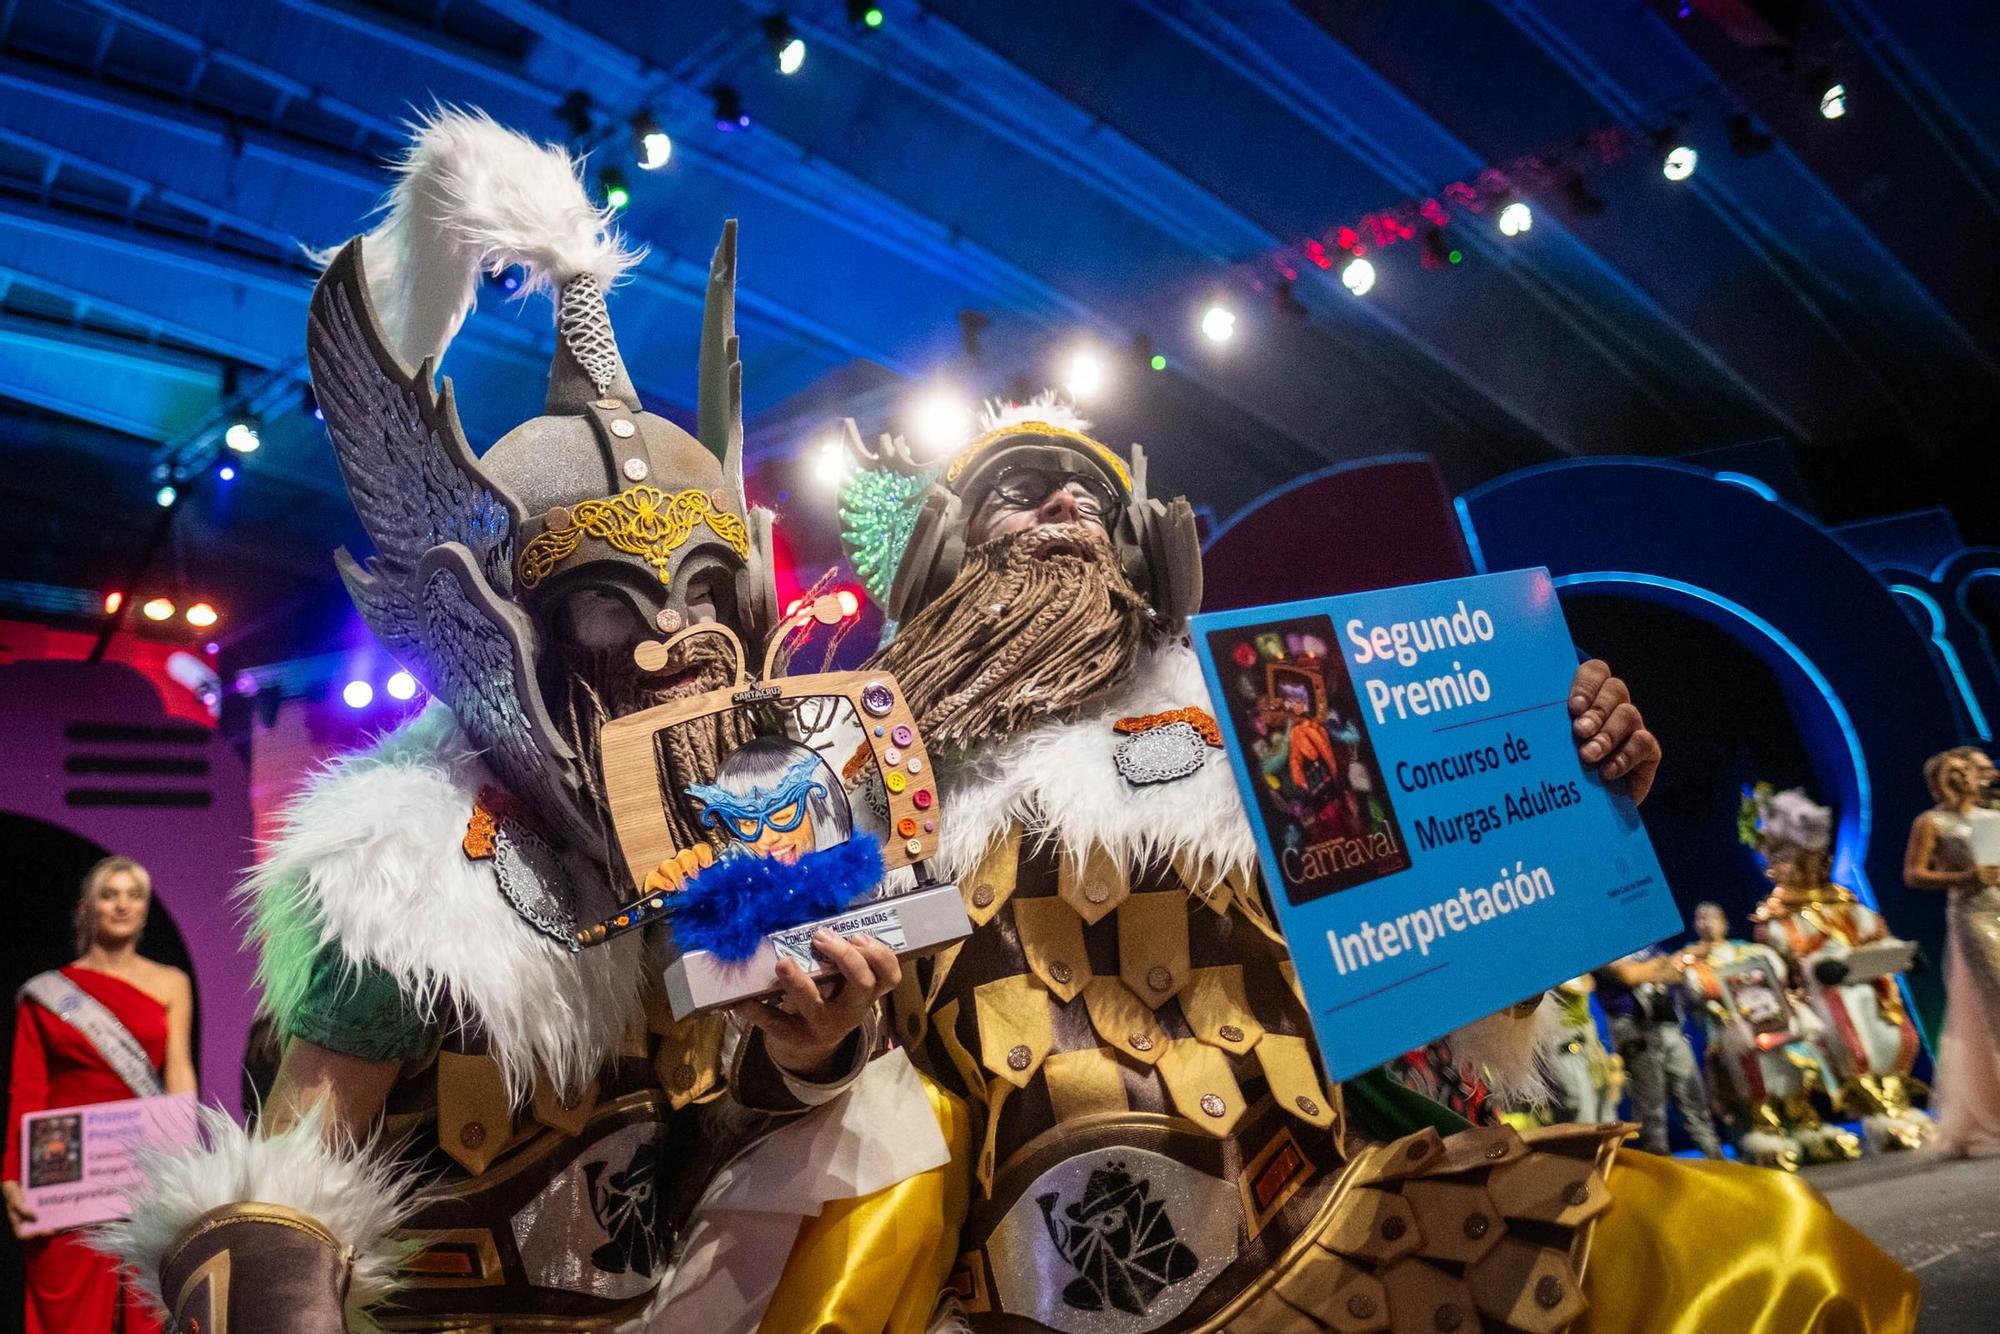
(1059,780)
(369,858)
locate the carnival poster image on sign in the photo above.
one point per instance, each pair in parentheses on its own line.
(1435,848)
(81,1162)
(1291,702)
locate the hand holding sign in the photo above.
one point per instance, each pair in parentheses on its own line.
(1425,770)
(1609,731)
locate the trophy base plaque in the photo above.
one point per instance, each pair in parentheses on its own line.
(920,922)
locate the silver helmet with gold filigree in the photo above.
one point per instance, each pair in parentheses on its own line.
(476,554)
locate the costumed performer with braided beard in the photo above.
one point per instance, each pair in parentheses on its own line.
(431,917)
(1153,1147)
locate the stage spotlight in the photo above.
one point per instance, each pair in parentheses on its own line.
(576,112)
(940,422)
(1745,139)
(401,685)
(1833,102)
(787,47)
(226,473)
(1516,218)
(201,615)
(861,14)
(1158,363)
(1679,163)
(830,463)
(1358,276)
(727,105)
(1218,324)
(358,694)
(158,609)
(611,184)
(1580,199)
(165,497)
(243,435)
(651,147)
(112,602)
(1086,375)
(1438,253)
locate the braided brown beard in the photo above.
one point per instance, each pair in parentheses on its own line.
(602,686)
(1035,624)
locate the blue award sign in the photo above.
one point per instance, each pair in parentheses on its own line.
(1435,848)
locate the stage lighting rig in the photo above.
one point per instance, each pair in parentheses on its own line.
(651,146)
(727,106)
(577,114)
(1358,276)
(787,47)
(1580,198)
(611,185)
(1745,139)
(861,14)
(1516,219)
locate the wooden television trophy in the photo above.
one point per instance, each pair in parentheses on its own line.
(775,794)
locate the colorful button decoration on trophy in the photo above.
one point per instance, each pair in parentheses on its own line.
(892,756)
(930,826)
(877,698)
(895,782)
(902,736)
(914,847)
(915,766)
(907,826)
(923,798)
(878,729)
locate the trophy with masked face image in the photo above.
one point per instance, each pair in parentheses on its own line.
(735,816)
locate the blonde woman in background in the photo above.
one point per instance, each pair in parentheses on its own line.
(110,1026)
(1940,856)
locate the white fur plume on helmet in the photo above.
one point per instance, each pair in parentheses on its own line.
(473,197)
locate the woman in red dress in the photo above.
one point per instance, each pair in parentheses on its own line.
(71,1286)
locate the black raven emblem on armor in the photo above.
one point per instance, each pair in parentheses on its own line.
(1120,1241)
(624,1206)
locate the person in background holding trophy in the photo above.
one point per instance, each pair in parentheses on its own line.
(1841,955)
(1765,1068)
(1951,849)
(1153,1147)
(111,1026)
(431,919)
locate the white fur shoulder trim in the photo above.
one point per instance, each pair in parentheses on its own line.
(371,859)
(351,1193)
(1059,779)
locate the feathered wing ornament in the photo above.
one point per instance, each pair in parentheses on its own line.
(471,196)
(436,592)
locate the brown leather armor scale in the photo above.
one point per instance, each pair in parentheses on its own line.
(1149,1033)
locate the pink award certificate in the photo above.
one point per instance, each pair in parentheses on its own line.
(80,1162)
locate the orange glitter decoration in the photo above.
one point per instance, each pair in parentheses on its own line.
(1199,719)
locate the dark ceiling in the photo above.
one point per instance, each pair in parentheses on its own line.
(1071,173)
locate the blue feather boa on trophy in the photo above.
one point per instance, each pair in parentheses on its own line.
(731,906)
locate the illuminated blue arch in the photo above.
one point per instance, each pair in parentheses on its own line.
(1865,691)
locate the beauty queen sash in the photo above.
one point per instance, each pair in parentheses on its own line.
(88,1016)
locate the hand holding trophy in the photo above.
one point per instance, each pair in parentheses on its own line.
(751,852)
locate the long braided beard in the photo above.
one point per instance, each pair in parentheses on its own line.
(602,686)
(1022,634)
